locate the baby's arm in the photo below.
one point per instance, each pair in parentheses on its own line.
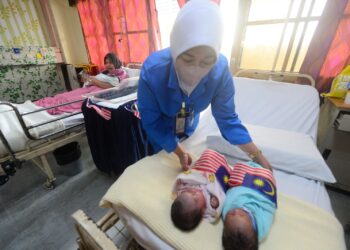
(215,200)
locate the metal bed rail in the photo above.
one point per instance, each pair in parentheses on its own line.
(44,144)
(50,141)
(291,77)
(26,129)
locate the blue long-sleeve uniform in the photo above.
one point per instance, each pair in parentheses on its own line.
(160,99)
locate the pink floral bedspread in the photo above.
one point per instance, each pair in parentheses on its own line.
(73,95)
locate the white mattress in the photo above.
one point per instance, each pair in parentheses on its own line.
(304,189)
(73,120)
(115,103)
(13,131)
(271,104)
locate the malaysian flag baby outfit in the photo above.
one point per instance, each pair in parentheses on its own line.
(210,174)
(253,188)
(253,176)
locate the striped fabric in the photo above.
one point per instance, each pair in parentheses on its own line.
(216,166)
(137,114)
(240,170)
(210,161)
(132,107)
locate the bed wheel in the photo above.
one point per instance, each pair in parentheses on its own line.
(49,184)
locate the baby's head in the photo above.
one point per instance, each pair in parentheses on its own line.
(188,208)
(239,232)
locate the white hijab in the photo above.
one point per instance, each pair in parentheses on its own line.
(198,23)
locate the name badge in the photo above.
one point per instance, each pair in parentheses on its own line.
(180,121)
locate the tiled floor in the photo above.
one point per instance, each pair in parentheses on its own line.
(35,218)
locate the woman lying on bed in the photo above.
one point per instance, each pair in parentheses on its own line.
(109,78)
(112,74)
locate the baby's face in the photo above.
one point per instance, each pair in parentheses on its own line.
(238,219)
(214,201)
(193,197)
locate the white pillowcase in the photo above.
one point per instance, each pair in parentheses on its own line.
(288,151)
(132,72)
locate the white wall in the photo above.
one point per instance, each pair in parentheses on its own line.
(69,31)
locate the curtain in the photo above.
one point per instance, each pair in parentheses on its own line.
(19,24)
(329,49)
(182,2)
(95,21)
(128,28)
(338,55)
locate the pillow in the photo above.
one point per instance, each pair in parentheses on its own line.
(288,151)
(298,105)
(132,72)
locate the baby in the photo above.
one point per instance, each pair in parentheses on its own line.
(200,192)
(249,207)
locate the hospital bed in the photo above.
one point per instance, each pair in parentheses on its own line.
(28,132)
(282,119)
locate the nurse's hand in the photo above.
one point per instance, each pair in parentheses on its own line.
(186,161)
(255,154)
(184,157)
(263,162)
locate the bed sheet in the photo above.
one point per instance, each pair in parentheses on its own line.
(116,102)
(306,189)
(72,120)
(292,107)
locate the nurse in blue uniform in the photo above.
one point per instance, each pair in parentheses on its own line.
(179,82)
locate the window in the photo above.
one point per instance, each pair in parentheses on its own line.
(168,9)
(275,35)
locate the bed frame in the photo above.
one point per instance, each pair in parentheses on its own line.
(289,77)
(38,147)
(92,234)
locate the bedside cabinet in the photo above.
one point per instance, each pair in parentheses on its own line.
(334,140)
